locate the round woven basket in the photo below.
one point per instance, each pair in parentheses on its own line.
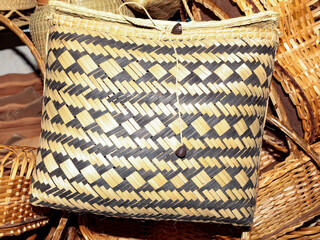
(16,213)
(8,5)
(17,10)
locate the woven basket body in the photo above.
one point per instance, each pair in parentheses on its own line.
(118,103)
(39,21)
(16,212)
(298,54)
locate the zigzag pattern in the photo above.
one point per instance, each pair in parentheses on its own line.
(110,127)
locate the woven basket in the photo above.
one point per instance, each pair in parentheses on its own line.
(15,29)
(16,213)
(39,22)
(17,10)
(17,163)
(307,232)
(298,54)
(122,112)
(9,5)
(288,196)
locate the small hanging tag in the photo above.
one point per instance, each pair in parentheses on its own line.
(181,152)
(177,29)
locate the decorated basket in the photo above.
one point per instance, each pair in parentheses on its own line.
(153,119)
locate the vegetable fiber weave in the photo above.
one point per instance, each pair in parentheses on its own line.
(115,109)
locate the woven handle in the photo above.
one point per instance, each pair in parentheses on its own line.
(14,28)
(295,138)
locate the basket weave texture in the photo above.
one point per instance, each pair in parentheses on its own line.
(39,21)
(16,213)
(17,10)
(288,197)
(118,99)
(7,5)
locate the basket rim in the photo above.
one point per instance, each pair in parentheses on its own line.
(270,18)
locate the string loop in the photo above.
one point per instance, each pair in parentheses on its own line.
(169,34)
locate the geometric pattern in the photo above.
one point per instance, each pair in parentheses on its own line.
(110,118)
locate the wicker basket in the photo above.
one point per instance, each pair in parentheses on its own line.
(308,232)
(13,5)
(16,213)
(17,163)
(288,196)
(298,55)
(15,28)
(17,10)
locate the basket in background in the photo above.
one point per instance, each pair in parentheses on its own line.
(16,213)
(17,10)
(14,118)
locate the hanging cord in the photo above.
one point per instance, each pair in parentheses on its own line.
(177,89)
(177,29)
(140,6)
(182,150)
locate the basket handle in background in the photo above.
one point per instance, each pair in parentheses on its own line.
(303,144)
(210,5)
(214,8)
(14,28)
(147,13)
